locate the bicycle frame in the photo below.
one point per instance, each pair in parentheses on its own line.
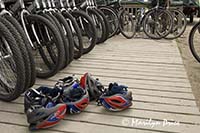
(63,9)
(20,7)
(73,9)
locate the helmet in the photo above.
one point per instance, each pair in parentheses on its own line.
(41,110)
(93,86)
(116,98)
(74,96)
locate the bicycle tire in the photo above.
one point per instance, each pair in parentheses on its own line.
(153,23)
(22,47)
(122,18)
(106,24)
(191,40)
(59,45)
(175,33)
(113,20)
(17,25)
(56,23)
(99,23)
(78,42)
(92,36)
(69,35)
(19,64)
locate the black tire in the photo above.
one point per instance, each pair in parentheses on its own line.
(157,23)
(178,27)
(69,35)
(113,20)
(56,23)
(17,86)
(126,24)
(192,41)
(88,31)
(58,46)
(16,24)
(77,36)
(99,23)
(23,51)
(106,24)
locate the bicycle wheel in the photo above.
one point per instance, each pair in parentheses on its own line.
(105,22)
(65,40)
(49,48)
(67,33)
(126,24)
(88,30)
(12,75)
(194,41)
(76,32)
(179,24)
(113,20)
(17,25)
(99,23)
(23,51)
(157,23)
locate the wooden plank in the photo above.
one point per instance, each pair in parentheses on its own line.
(177,95)
(131,63)
(121,59)
(15,128)
(117,121)
(125,67)
(101,119)
(134,52)
(136,71)
(156,107)
(150,56)
(70,126)
(145,114)
(163,100)
(133,84)
(124,74)
(130,113)
(138,61)
(134,55)
(126,81)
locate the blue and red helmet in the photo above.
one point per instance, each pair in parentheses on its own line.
(116,98)
(41,111)
(92,85)
(74,96)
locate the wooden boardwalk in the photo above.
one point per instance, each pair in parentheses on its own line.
(153,70)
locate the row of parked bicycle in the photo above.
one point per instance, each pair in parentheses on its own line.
(159,21)
(40,37)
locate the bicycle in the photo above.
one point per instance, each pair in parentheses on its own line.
(14,27)
(111,17)
(96,18)
(157,22)
(125,23)
(12,74)
(194,41)
(77,37)
(45,40)
(86,25)
(93,5)
(179,22)
(45,9)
